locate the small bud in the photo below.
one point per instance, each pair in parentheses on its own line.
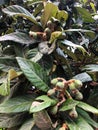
(54,81)
(73,113)
(50,92)
(78,95)
(78,84)
(60,84)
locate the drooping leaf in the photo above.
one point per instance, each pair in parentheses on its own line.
(86,116)
(42,120)
(50,10)
(86,16)
(18,37)
(68,104)
(45,103)
(27,125)
(13,74)
(34,73)
(20,11)
(87,107)
(16,105)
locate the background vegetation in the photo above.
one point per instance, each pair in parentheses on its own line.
(48,65)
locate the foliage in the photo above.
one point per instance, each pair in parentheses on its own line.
(48,65)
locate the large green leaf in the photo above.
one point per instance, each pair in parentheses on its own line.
(45,103)
(50,10)
(16,105)
(69,104)
(87,17)
(87,107)
(27,125)
(34,73)
(20,11)
(86,116)
(79,124)
(18,37)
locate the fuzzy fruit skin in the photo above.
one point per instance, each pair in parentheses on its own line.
(60,84)
(72,86)
(73,113)
(78,95)
(51,92)
(54,81)
(78,84)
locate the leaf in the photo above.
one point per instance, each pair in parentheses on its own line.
(55,35)
(87,107)
(34,73)
(79,124)
(69,43)
(11,120)
(83,77)
(42,120)
(90,67)
(50,10)
(12,74)
(45,103)
(86,16)
(27,125)
(5,89)
(62,15)
(82,124)
(86,116)
(18,37)
(20,11)
(68,104)
(16,105)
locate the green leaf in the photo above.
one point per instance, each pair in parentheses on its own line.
(62,15)
(16,105)
(5,89)
(34,73)
(87,17)
(69,104)
(69,43)
(20,11)
(42,120)
(27,125)
(79,124)
(18,37)
(50,10)
(86,116)
(87,107)
(11,120)
(45,103)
